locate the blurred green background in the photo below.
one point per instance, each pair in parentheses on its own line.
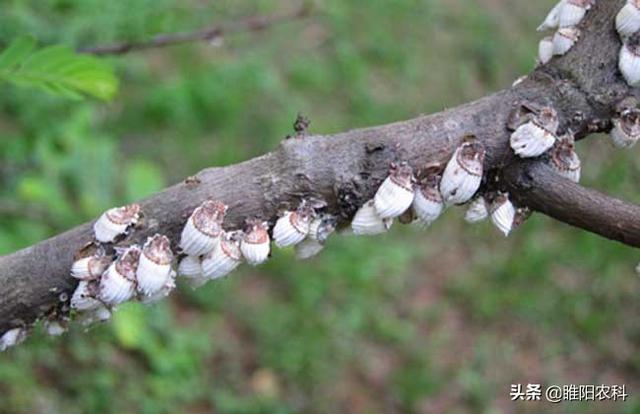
(434,321)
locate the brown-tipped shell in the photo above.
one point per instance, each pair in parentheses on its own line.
(117,285)
(256,244)
(565,161)
(463,175)
(626,129)
(224,258)
(89,268)
(428,203)
(115,222)
(202,231)
(154,268)
(395,194)
(292,228)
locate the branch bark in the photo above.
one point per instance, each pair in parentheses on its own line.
(345,169)
(537,186)
(251,24)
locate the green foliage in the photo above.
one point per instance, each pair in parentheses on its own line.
(56,70)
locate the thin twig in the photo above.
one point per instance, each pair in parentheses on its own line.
(249,24)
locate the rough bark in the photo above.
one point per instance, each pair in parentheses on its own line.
(345,169)
(537,186)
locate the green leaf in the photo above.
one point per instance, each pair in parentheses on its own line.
(60,71)
(17,51)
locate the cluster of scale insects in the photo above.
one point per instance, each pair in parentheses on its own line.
(207,252)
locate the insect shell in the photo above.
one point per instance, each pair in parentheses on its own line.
(629,60)
(564,160)
(536,136)
(628,19)
(293,227)
(117,285)
(573,11)
(626,129)
(202,231)
(503,213)
(256,245)
(367,221)
(564,39)
(154,268)
(115,222)
(84,298)
(91,267)
(224,258)
(463,175)
(190,268)
(163,292)
(12,338)
(428,203)
(319,231)
(395,194)
(553,18)
(477,211)
(545,50)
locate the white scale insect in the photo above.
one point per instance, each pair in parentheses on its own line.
(626,128)
(117,285)
(154,268)
(535,137)
(92,267)
(293,226)
(428,203)
(224,258)
(564,160)
(463,175)
(202,231)
(115,222)
(256,244)
(395,194)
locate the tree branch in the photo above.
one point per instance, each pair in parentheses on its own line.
(251,24)
(345,169)
(537,186)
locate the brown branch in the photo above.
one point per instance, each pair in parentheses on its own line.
(250,24)
(345,169)
(537,186)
